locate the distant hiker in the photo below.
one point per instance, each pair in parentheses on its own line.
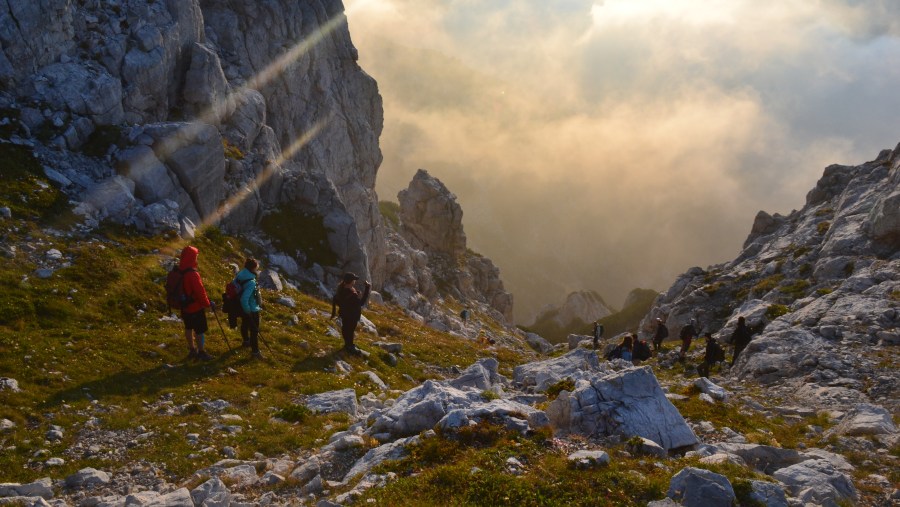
(250,305)
(598,333)
(350,302)
(464,315)
(662,332)
(193,312)
(740,338)
(640,350)
(623,350)
(714,354)
(687,335)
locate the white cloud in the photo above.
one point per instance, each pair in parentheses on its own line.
(612,146)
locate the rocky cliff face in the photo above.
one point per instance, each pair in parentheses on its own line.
(253,116)
(214,111)
(429,256)
(821,286)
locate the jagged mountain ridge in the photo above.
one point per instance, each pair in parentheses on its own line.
(822,284)
(215,111)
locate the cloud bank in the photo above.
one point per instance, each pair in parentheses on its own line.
(611,145)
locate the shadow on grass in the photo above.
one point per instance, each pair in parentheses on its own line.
(325,363)
(146,383)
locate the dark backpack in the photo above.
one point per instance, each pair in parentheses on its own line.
(641,350)
(717,353)
(175,295)
(615,353)
(231,301)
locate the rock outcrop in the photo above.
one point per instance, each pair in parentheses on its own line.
(429,257)
(819,288)
(229,110)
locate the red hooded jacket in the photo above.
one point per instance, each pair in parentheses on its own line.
(191,283)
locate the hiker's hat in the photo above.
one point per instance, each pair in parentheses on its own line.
(349,277)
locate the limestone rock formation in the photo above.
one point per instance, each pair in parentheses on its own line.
(819,288)
(428,256)
(628,403)
(221,107)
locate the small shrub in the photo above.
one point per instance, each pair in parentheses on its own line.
(823,227)
(566,384)
(796,288)
(489,395)
(801,251)
(294,413)
(767,284)
(804,269)
(824,291)
(775,311)
(232,151)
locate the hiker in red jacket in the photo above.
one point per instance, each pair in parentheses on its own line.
(194,312)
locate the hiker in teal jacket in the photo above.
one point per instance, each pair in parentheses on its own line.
(250,304)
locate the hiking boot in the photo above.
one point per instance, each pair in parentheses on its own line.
(353,350)
(245,343)
(192,355)
(256,355)
(203,356)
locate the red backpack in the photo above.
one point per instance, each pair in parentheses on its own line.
(175,296)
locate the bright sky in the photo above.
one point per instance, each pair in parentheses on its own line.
(612,144)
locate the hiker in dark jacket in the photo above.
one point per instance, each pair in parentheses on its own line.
(687,335)
(661,333)
(740,338)
(598,333)
(350,302)
(194,314)
(250,305)
(714,354)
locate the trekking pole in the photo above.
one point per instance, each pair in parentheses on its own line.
(265,342)
(223,331)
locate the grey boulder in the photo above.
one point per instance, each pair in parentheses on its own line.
(696,487)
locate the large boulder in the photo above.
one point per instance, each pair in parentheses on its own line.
(343,400)
(865,419)
(421,408)
(374,457)
(542,374)
(627,403)
(696,487)
(513,415)
(431,219)
(817,481)
(482,375)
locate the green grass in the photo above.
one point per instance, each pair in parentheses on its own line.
(92,331)
(390,211)
(298,230)
(767,284)
(775,311)
(796,288)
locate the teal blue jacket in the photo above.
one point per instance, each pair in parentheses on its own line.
(250,293)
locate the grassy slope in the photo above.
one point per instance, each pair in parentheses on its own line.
(88,342)
(93,331)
